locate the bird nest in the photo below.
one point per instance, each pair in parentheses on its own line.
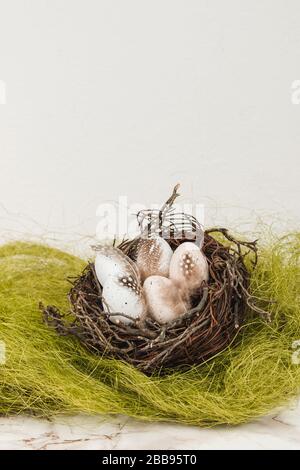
(217,312)
(212,323)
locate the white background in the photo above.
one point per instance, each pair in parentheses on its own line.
(112,97)
(129,97)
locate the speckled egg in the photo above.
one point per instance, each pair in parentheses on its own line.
(189,266)
(124,295)
(153,256)
(164,299)
(120,280)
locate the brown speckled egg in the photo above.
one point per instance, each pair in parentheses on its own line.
(163,298)
(153,256)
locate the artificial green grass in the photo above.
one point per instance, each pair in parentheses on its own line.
(47,374)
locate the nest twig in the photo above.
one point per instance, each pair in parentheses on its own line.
(218,310)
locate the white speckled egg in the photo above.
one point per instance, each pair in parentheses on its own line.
(189,266)
(112,262)
(123,295)
(153,256)
(163,298)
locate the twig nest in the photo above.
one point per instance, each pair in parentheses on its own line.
(217,310)
(186,318)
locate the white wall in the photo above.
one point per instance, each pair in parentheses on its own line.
(109,97)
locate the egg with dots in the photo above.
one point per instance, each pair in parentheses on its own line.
(123,295)
(122,292)
(165,300)
(153,257)
(189,267)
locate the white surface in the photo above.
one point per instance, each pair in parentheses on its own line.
(121,433)
(109,98)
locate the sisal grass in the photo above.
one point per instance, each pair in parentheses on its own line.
(46,374)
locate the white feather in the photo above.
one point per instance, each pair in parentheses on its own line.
(111,262)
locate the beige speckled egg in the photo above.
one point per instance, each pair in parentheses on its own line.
(188,266)
(153,256)
(163,298)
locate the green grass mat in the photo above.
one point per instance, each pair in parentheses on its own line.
(47,374)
